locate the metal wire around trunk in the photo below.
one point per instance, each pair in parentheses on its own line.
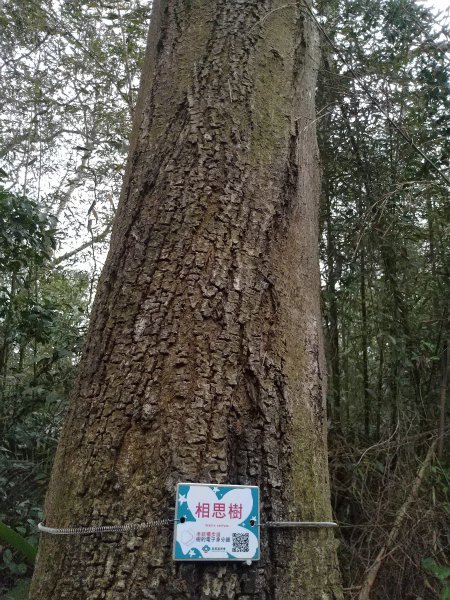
(129,527)
(133,527)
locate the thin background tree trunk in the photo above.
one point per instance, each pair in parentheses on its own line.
(204,358)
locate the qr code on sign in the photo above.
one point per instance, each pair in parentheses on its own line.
(241,542)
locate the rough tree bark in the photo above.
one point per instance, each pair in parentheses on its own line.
(204,357)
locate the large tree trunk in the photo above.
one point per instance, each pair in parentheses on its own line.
(204,358)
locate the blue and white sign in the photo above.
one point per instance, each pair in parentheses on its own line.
(216,522)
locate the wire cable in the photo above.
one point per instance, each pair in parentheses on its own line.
(133,527)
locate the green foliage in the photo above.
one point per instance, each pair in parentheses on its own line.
(18,551)
(12,538)
(27,235)
(386,270)
(441,572)
(42,323)
(386,215)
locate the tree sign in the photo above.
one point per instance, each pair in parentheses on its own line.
(216,522)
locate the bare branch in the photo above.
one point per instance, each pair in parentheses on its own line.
(95,239)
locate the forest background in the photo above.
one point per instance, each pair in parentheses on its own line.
(70,73)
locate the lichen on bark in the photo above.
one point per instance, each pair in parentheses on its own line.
(204,355)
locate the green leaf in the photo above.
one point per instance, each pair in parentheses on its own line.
(11,538)
(441,572)
(21,530)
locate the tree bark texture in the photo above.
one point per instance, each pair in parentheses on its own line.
(204,357)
